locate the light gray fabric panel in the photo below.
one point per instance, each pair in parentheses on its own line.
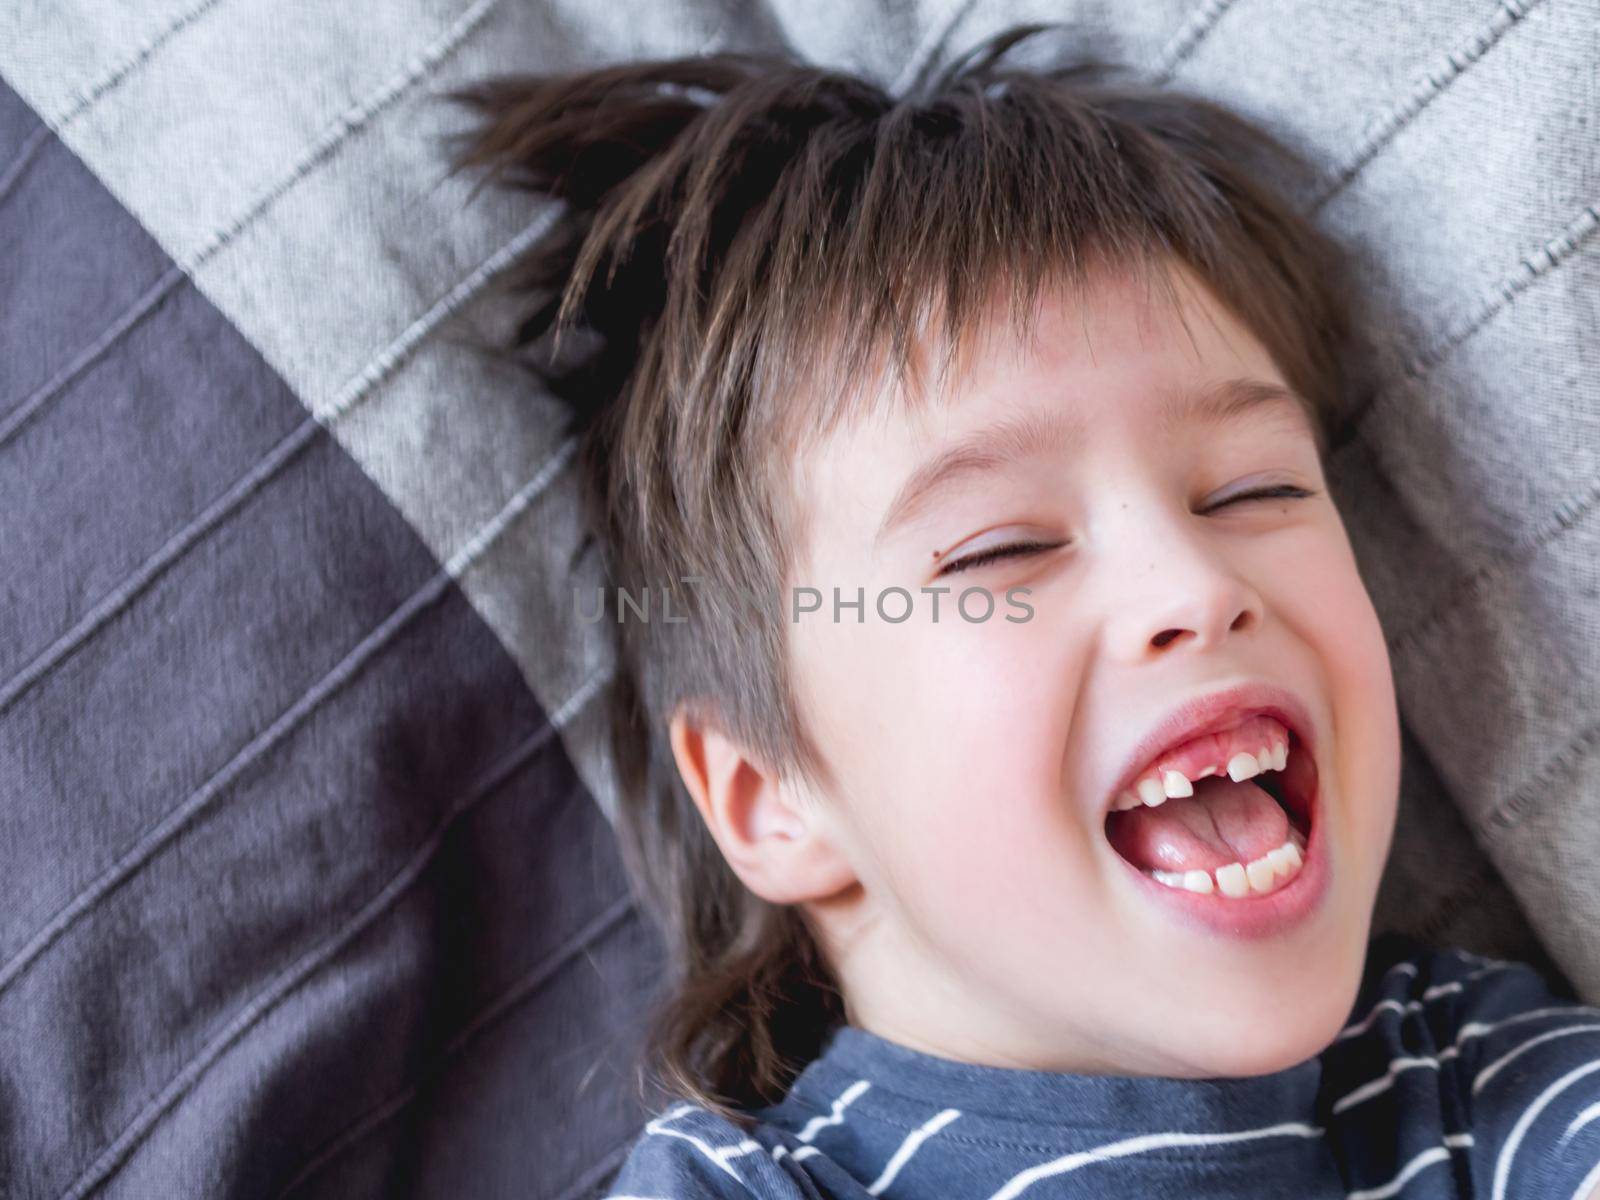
(1459,144)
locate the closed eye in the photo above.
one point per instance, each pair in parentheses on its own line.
(1285,491)
(1282,491)
(994,553)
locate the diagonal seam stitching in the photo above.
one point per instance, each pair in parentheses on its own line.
(1424,91)
(1186,40)
(110,1159)
(19,164)
(86,100)
(174,548)
(382,365)
(1532,267)
(129,66)
(351,121)
(178,819)
(523,989)
(1555,252)
(375,372)
(143,305)
(1564,762)
(1471,588)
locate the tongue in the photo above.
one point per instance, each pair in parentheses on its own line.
(1223,822)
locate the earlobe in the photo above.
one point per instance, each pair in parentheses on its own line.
(781,847)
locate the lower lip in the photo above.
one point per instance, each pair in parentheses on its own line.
(1254,916)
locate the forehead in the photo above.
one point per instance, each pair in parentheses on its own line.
(1121,351)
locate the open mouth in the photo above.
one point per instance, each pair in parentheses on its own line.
(1230,814)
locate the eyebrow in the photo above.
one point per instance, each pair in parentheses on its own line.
(1061,430)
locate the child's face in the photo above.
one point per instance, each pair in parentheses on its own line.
(991,919)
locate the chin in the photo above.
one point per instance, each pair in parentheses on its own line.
(1278,1027)
(1263,1049)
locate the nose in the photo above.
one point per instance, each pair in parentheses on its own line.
(1176,582)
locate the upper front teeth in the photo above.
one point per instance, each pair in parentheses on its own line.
(1241,766)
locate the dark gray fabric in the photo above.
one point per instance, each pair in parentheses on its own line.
(299,893)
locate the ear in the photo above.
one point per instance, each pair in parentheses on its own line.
(783,847)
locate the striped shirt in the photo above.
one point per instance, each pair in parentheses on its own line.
(1456,1076)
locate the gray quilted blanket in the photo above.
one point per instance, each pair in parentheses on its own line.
(307,886)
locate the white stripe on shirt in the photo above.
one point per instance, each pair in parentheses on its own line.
(720,1157)
(1502,1169)
(909,1147)
(1489,1072)
(1426,1159)
(1578,1122)
(1140,1145)
(1382,1084)
(836,1117)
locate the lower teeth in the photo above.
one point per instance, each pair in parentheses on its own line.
(1237,881)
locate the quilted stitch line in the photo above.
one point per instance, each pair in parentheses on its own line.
(174,548)
(1563,763)
(116,1153)
(19,164)
(1194,30)
(177,819)
(1570,512)
(1398,116)
(31,405)
(128,66)
(6,695)
(524,988)
(377,370)
(1439,77)
(352,121)
(1470,589)
(384,363)
(1532,268)
(87,100)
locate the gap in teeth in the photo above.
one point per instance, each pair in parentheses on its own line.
(1166,780)
(1236,881)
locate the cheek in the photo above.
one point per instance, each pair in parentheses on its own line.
(1338,619)
(952,739)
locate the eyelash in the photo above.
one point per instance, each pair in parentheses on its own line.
(1284,491)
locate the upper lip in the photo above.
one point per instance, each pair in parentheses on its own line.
(1210,713)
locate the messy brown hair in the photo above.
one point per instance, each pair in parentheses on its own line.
(741,243)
